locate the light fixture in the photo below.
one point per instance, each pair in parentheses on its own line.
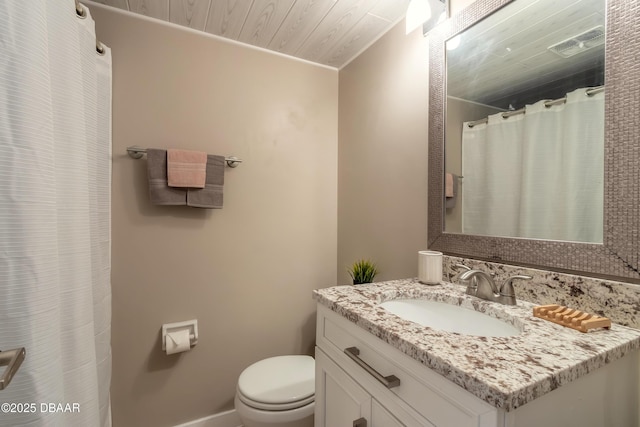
(418,12)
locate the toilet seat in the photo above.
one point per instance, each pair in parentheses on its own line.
(275,406)
(260,418)
(278,383)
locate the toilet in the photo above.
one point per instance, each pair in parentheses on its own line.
(278,391)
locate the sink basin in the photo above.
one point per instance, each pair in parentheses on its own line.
(450,318)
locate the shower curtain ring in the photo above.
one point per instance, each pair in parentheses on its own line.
(81,12)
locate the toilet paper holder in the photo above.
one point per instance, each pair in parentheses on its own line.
(191,325)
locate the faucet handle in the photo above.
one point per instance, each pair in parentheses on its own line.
(507,289)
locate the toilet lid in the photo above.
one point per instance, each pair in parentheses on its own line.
(278,380)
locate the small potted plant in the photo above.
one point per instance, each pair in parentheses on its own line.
(362,271)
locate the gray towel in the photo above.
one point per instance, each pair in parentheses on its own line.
(209,197)
(450,202)
(159,192)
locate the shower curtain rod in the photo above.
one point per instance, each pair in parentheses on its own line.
(589,92)
(82,13)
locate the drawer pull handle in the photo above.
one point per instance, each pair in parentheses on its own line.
(360,422)
(388,381)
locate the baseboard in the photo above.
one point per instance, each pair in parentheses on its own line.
(223,419)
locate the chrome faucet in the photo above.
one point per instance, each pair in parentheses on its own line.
(481,285)
(457,275)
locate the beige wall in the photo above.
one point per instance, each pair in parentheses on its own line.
(245,272)
(382,161)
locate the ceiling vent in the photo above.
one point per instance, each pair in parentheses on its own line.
(579,43)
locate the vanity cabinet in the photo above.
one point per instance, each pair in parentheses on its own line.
(346,392)
(348,395)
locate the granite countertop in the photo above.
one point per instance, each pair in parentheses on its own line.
(506,372)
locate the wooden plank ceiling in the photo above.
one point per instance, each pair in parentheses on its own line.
(509,51)
(328,32)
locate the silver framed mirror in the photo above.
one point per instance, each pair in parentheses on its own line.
(618,257)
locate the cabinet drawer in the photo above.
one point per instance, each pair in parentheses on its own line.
(431,395)
(340,401)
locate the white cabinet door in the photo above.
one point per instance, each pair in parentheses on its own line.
(380,417)
(339,399)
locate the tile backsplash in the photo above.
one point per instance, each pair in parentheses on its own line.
(617,300)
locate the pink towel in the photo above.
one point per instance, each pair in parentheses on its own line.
(186,168)
(448,185)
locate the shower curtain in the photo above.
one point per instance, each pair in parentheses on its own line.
(55,235)
(537,175)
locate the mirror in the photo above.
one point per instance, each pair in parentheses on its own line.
(524,143)
(613,250)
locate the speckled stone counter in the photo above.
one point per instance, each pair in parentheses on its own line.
(506,372)
(618,301)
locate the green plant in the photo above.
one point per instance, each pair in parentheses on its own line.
(362,271)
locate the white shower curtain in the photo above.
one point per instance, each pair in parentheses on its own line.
(55,235)
(539,174)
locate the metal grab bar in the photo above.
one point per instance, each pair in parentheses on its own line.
(389,381)
(12,359)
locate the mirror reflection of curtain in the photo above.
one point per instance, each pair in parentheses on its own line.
(537,175)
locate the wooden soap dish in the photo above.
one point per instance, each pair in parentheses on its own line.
(571,318)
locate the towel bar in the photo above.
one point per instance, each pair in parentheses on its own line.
(136,152)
